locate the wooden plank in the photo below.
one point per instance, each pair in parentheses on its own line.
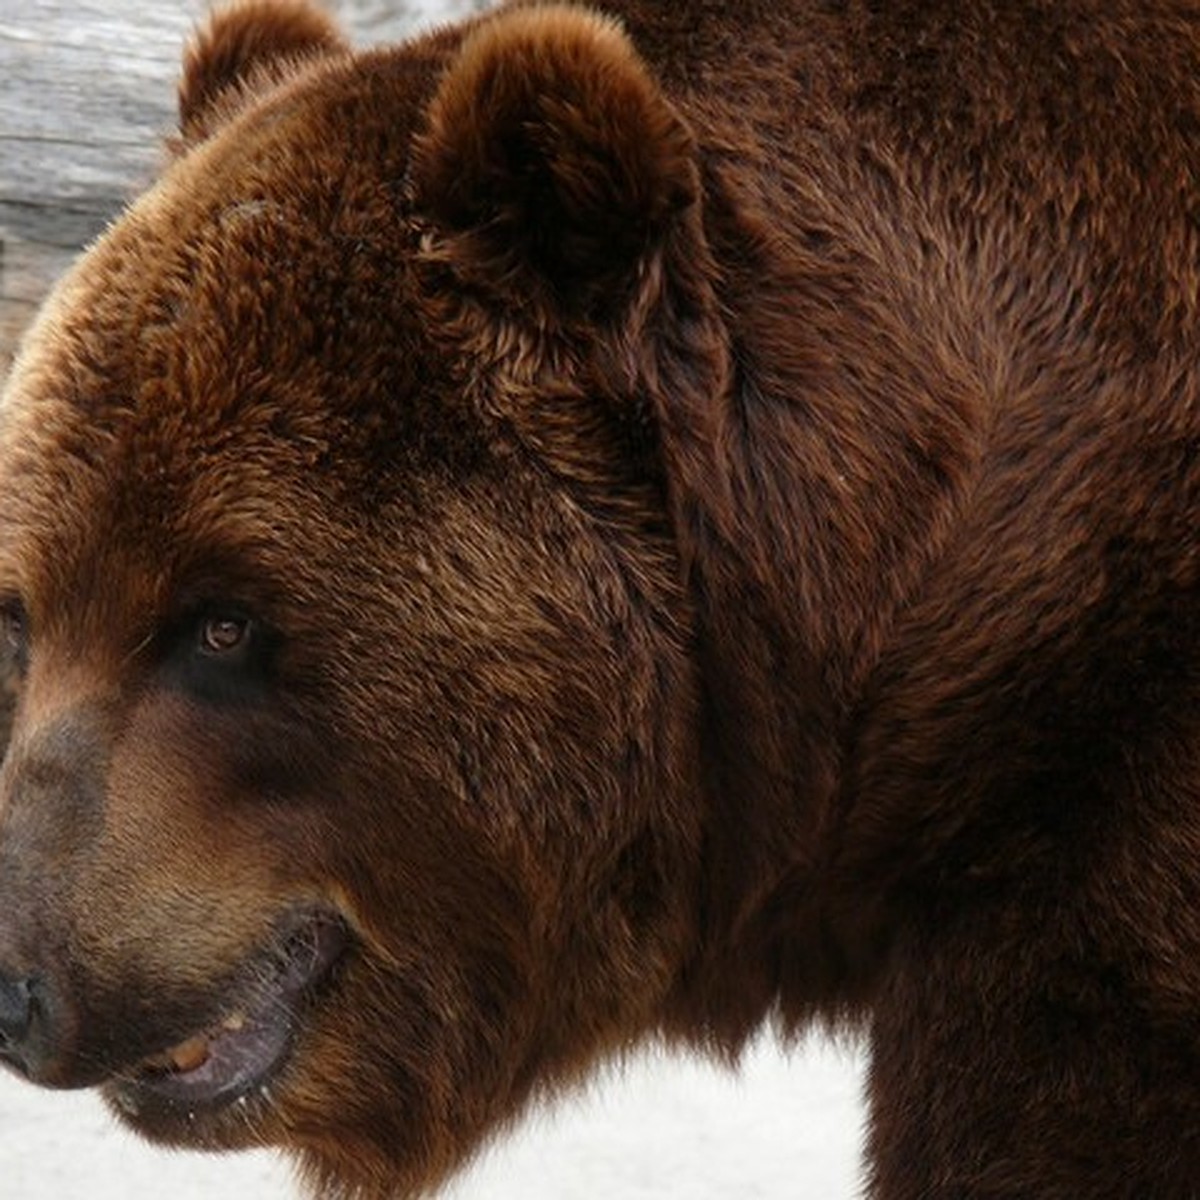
(87,95)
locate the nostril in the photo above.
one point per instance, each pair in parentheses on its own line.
(16,1011)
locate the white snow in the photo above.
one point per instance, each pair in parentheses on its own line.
(781,1128)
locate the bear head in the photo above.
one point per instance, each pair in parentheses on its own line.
(349,798)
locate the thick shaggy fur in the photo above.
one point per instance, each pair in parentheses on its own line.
(714,491)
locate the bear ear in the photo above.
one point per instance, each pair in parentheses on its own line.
(551,165)
(244,41)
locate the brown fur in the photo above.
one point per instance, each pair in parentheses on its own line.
(252,45)
(716,490)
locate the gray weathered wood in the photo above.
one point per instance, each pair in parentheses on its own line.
(87,94)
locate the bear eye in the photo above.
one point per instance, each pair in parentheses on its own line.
(221,635)
(14,632)
(219,655)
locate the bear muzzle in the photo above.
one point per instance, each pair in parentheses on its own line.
(241,1049)
(37,1032)
(51,789)
(16,1017)
(152,994)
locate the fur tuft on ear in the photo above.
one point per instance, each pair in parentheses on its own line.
(243,41)
(551,164)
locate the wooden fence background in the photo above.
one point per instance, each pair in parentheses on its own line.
(87,92)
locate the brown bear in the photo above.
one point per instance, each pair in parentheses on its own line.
(599,525)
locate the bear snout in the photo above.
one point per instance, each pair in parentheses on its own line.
(51,808)
(51,800)
(16,1015)
(37,1030)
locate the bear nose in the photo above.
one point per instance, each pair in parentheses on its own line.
(16,1014)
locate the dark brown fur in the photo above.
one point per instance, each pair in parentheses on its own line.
(719,494)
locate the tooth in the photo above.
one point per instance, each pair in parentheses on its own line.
(234,1022)
(189,1055)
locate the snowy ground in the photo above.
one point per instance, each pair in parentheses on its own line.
(781,1129)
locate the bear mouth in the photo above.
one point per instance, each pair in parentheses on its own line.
(242,1050)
